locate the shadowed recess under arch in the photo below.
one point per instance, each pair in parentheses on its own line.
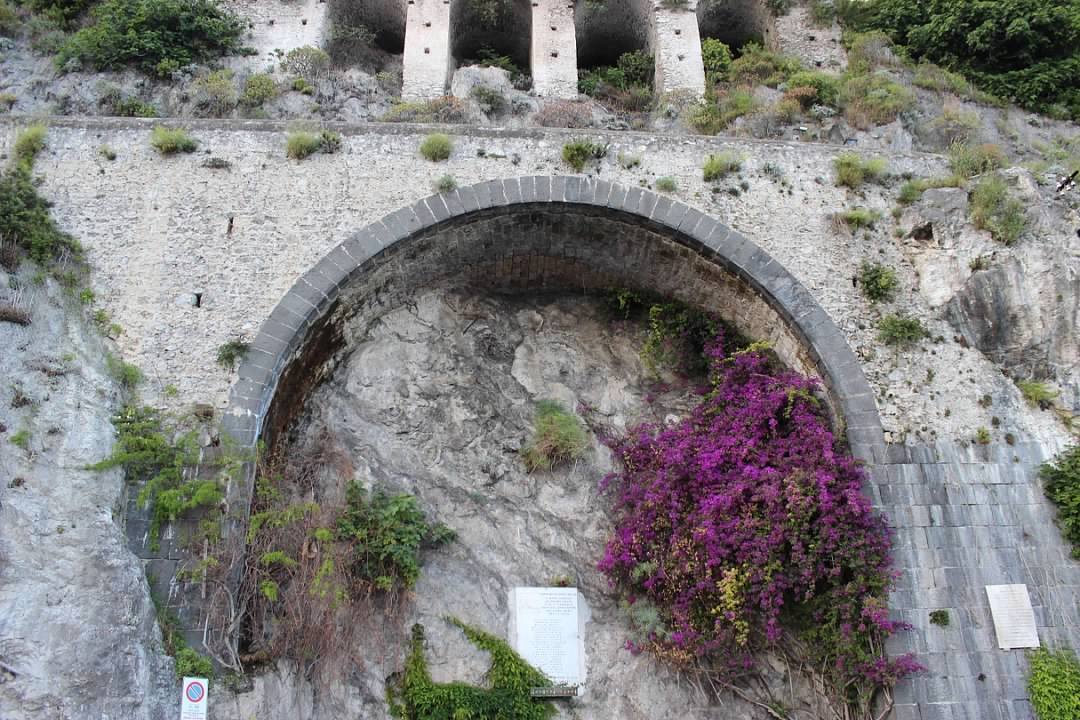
(544,233)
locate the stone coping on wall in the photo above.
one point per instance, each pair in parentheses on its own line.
(405,129)
(283,333)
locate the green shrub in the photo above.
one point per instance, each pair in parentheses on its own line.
(852,170)
(303,87)
(757,65)
(446,183)
(900,330)
(21,439)
(156,36)
(309,63)
(720,165)
(982,436)
(229,354)
(28,143)
(931,77)
(169,141)
(1061,483)
(559,438)
(1036,393)
(873,99)
(25,219)
(329,142)
(301,144)
(939,618)
(215,94)
(993,209)
(971,160)
(490,100)
(856,218)
(878,282)
(258,89)
(912,190)
(7,101)
(1024,50)
(826,88)
(440,110)
(1054,684)
(714,114)
(189,663)
(413,695)
(129,376)
(436,147)
(577,153)
(666,184)
(388,533)
(716,57)
(9,19)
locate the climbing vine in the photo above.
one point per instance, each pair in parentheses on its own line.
(743,528)
(415,696)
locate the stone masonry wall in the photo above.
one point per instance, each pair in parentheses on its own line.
(157,232)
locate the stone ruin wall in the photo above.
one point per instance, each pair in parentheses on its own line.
(549,38)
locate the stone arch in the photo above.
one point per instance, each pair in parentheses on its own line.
(581,233)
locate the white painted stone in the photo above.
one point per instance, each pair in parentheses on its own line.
(547,630)
(1014,620)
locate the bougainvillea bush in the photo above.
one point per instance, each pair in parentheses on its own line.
(744,524)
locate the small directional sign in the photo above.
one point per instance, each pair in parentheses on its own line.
(193,699)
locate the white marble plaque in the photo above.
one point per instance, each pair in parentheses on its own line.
(1014,621)
(545,630)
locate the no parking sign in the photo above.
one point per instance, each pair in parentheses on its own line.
(193,699)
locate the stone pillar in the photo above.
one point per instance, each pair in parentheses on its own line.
(553,50)
(676,44)
(427,63)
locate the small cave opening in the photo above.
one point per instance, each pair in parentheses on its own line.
(490,31)
(365,33)
(607,31)
(735,22)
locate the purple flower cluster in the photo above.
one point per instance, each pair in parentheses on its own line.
(744,520)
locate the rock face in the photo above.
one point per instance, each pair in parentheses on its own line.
(78,637)
(438,401)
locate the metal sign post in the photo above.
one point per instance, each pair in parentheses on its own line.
(193,692)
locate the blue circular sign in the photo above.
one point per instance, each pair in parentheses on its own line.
(195,692)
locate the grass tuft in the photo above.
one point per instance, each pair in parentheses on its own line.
(436,147)
(720,165)
(559,438)
(169,141)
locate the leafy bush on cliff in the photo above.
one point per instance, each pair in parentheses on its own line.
(1024,50)
(24,214)
(156,36)
(744,522)
(1061,483)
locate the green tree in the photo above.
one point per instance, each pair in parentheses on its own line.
(157,36)
(1024,50)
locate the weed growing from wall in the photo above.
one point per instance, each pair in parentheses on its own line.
(559,438)
(436,147)
(877,282)
(169,141)
(901,330)
(576,154)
